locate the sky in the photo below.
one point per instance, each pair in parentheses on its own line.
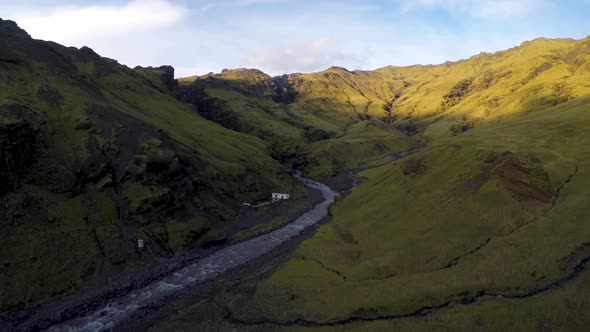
(286,36)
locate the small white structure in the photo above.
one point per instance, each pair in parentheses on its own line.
(279,196)
(140,243)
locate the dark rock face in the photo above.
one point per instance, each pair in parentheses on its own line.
(210,108)
(11,28)
(160,77)
(22,208)
(284,91)
(50,95)
(168,79)
(89,53)
(17,147)
(78,151)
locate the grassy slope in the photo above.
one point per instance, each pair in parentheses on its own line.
(251,98)
(493,205)
(443,100)
(395,234)
(364,142)
(498,210)
(314,125)
(90,193)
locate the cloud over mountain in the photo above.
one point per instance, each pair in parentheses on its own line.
(75,25)
(301,56)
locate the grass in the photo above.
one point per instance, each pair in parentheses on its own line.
(395,235)
(260,229)
(41,262)
(248,95)
(129,117)
(494,203)
(461,223)
(364,141)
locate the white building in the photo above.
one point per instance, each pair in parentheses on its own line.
(279,196)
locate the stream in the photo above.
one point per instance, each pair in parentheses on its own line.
(111,314)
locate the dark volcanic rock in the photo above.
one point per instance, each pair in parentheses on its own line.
(11,28)
(168,79)
(50,95)
(285,93)
(210,108)
(83,124)
(89,53)
(164,81)
(17,146)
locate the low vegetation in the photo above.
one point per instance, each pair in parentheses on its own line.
(469,210)
(478,222)
(96,155)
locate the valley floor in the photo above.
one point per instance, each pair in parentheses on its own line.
(141,293)
(561,306)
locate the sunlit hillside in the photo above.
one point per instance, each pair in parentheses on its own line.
(461,192)
(471,216)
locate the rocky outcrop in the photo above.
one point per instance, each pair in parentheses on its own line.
(285,93)
(525,177)
(17,147)
(8,27)
(168,79)
(160,77)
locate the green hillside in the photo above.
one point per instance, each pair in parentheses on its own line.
(309,121)
(469,210)
(483,225)
(95,155)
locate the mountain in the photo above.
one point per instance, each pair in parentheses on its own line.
(315,110)
(476,220)
(306,120)
(464,185)
(94,155)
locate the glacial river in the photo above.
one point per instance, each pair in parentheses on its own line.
(119,309)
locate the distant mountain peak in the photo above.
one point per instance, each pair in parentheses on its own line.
(8,27)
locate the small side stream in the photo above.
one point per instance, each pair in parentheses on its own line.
(118,310)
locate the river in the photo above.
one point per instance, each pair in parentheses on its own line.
(119,309)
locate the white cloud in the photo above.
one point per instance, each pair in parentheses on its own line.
(232,4)
(302,56)
(288,37)
(78,25)
(479,8)
(260,2)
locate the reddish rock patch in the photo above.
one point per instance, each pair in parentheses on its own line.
(492,157)
(525,177)
(414,166)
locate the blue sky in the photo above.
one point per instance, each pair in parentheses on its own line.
(285,36)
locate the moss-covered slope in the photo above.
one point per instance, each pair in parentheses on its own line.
(94,155)
(483,227)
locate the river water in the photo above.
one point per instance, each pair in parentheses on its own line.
(207,268)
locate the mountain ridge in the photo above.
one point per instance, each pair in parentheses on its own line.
(96,155)
(469,178)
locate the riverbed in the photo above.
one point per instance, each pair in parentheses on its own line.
(117,310)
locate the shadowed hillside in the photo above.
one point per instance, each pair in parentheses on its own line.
(482,225)
(94,155)
(435,100)
(464,186)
